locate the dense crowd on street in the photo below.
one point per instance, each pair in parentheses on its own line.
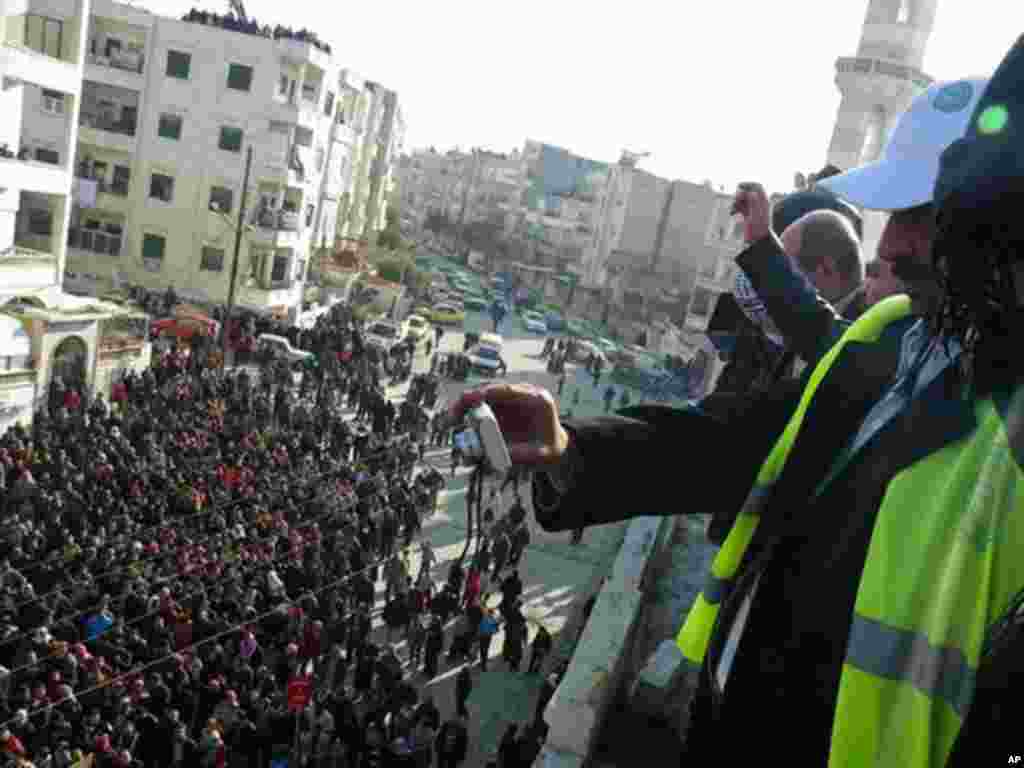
(174,558)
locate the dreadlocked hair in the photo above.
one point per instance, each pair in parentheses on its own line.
(976,249)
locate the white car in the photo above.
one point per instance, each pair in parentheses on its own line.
(485,358)
(534,322)
(383,335)
(280,347)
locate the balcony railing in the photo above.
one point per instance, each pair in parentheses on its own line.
(282,221)
(96,241)
(119,188)
(125,60)
(107,123)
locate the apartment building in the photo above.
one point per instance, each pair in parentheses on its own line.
(390,138)
(560,204)
(169,110)
(45,333)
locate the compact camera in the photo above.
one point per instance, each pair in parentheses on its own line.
(480,442)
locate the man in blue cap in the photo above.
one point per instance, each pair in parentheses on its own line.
(869,600)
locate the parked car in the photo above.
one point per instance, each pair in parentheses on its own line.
(383,334)
(534,322)
(554,322)
(447,314)
(584,349)
(280,347)
(485,358)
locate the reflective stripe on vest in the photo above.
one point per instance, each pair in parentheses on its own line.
(942,567)
(695,634)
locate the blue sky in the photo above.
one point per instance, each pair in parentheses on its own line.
(729,92)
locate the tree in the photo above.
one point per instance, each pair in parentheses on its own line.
(391,236)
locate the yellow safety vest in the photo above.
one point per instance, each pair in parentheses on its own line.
(933,585)
(696,632)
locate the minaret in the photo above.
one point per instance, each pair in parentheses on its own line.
(879,83)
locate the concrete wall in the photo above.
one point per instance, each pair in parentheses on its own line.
(604,659)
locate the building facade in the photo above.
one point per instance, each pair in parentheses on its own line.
(169,110)
(45,333)
(877,86)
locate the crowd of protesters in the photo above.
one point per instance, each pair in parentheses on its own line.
(174,558)
(250,27)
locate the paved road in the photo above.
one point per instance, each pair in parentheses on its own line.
(557,576)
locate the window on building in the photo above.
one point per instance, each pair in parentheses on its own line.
(239,77)
(169,126)
(282,86)
(40,221)
(50,156)
(320,159)
(153,247)
(300,270)
(230,139)
(179,64)
(212,259)
(329,104)
(310,210)
(122,178)
(15,362)
(161,187)
(44,34)
(53,102)
(222,199)
(303,136)
(279,273)
(277,126)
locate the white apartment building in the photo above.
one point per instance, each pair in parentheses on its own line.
(44,332)
(169,110)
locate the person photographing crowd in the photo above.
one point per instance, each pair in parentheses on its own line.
(868,594)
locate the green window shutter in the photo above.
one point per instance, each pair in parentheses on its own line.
(153,247)
(239,77)
(179,64)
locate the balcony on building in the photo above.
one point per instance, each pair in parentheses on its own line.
(40,49)
(272,280)
(102,180)
(37,226)
(116,53)
(109,116)
(34,145)
(95,240)
(279,216)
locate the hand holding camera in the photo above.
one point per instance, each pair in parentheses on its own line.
(752,204)
(526,417)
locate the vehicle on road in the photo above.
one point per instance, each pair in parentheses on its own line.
(485,358)
(534,322)
(416,327)
(279,347)
(476,303)
(447,314)
(383,334)
(186,323)
(554,322)
(607,345)
(585,349)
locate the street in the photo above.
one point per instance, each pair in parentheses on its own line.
(557,576)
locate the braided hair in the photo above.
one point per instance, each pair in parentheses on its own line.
(976,252)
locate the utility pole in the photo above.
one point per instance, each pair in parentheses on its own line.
(234,261)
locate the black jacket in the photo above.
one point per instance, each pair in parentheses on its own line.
(787,668)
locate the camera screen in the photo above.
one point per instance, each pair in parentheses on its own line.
(468,444)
